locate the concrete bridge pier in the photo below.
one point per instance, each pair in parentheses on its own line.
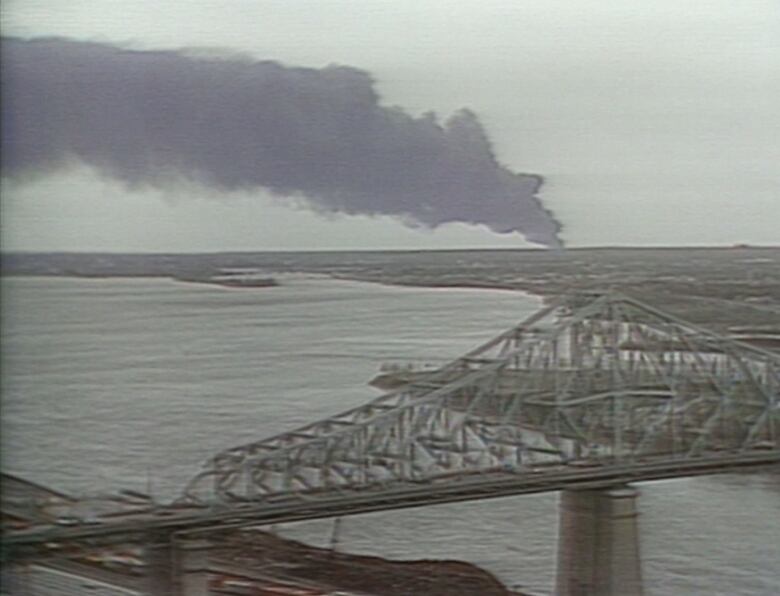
(193,567)
(598,543)
(160,564)
(176,567)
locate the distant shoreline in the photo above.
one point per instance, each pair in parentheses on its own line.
(720,288)
(398,251)
(266,282)
(273,282)
(249,283)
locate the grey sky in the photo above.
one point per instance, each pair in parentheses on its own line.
(653,123)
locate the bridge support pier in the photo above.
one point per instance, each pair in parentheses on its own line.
(177,567)
(160,564)
(193,567)
(598,543)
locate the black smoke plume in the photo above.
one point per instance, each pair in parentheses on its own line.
(151,117)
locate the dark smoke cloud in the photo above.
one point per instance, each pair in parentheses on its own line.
(148,117)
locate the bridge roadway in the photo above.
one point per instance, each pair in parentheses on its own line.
(92,577)
(300,506)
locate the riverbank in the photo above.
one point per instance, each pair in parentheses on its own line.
(290,560)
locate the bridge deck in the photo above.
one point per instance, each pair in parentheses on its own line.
(299,506)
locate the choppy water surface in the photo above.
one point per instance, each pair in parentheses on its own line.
(109,382)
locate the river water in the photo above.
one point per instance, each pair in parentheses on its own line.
(133,383)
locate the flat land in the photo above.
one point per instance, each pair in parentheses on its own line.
(731,290)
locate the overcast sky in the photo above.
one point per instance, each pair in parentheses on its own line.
(652,123)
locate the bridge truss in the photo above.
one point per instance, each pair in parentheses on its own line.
(599,380)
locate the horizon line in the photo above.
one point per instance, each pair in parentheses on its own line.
(732,246)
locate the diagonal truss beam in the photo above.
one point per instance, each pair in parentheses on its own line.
(608,381)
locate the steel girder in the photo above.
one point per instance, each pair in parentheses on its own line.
(592,381)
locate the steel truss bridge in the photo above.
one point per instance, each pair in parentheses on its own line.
(591,390)
(597,382)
